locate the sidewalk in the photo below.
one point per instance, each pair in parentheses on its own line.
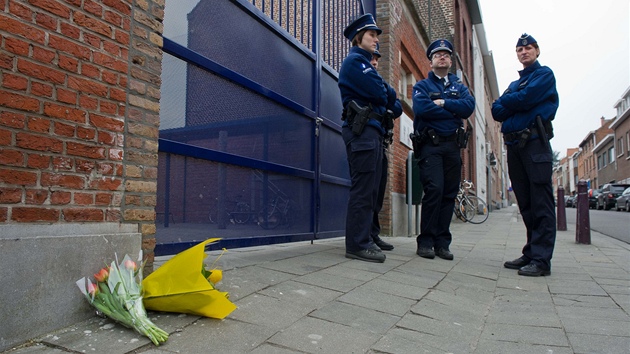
(303,298)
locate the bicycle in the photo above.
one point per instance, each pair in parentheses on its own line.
(241,214)
(469,208)
(276,213)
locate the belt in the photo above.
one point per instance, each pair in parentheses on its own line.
(510,137)
(452,137)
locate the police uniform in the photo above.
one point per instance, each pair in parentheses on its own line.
(396,109)
(359,82)
(530,158)
(439,158)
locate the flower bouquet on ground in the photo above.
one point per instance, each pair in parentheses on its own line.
(117,294)
(183,284)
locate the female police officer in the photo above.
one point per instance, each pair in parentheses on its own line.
(440,103)
(366,99)
(526,109)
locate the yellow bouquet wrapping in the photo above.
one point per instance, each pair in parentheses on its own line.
(183,285)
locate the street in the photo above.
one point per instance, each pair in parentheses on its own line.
(615,224)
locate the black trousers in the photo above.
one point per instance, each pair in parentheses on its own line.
(440,170)
(530,169)
(376,225)
(365,160)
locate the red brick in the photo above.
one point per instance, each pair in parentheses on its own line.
(86,133)
(10,195)
(113,18)
(110,215)
(22,29)
(4,214)
(5,137)
(54,7)
(60,197)
(116,154)
(15,82)
(85,166)
(41,72)
(87,102)
(36,196)
(106,138)
(93,8)
(68,63)
(19,10)
(38,142)
(6,61)
(62,163)
(122,37)
(92,24)
(78,215)
(41,89)
(16,46)
(83,198)
(33,214)
(119,6)
(106,184)
(43,55)
(61,180)
(11,157)
(18,178)
(108,108)
(62,129)
(64,45)
(77,149)
(66,96)
(13,100)
(92,40)
(107,123)
(46,21)
(40,162)
(39,125)
(70,30)
(87,86)
(64,112)
(91,71)
(13,120)
(103,199)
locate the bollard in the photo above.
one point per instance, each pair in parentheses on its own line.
(561,215)
(583,224)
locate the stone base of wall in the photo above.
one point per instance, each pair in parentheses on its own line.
(39,266)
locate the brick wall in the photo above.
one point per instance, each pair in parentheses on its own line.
(79,109)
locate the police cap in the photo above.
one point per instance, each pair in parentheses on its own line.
(376,52)
(439,45)
(525,40)
(365,22)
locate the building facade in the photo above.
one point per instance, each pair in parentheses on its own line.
(621,127)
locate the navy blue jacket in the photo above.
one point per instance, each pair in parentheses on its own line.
(458,104)
(359,81)
(533,94)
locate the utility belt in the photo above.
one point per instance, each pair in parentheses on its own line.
(430,136)
(357,118)
(542,130)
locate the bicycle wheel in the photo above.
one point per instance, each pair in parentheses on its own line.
(269,218)
(477,209)
(458,210)
(242,213)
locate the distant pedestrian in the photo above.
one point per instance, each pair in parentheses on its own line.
(526,110)
(441,102)
(366,99)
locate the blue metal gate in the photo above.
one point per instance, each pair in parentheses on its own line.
(250,146)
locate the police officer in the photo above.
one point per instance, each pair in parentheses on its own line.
(440,104)
(365,98)
(526,109)
(396,112)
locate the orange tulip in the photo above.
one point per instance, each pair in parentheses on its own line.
(102,275)
(92,289)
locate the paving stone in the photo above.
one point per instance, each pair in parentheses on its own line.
(508,311)
(242,282)
(603,313)
(597,327)
(301,294)
(589,343)
(329,281)
(576,287)
(356,317)
(269,311)
(376,300)
(389,287)
(525,334)
(584,301)
(501,347)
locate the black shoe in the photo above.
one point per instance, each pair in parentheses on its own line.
(517,263)
(533,270)
(425,252)
(369,255)
(444,254)
(383,245)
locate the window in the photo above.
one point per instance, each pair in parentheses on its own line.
(628,144)
(620,147)
(600,163)
(604,159)
(406,84)
(611,154)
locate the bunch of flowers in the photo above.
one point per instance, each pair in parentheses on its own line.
(117,294)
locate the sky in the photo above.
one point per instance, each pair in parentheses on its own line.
(585,43)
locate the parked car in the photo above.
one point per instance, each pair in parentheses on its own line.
(623,201)
(571,202)
(592,198)
(610,191)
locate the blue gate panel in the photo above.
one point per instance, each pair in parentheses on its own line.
(330,105)
(334,199)
(331,144)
